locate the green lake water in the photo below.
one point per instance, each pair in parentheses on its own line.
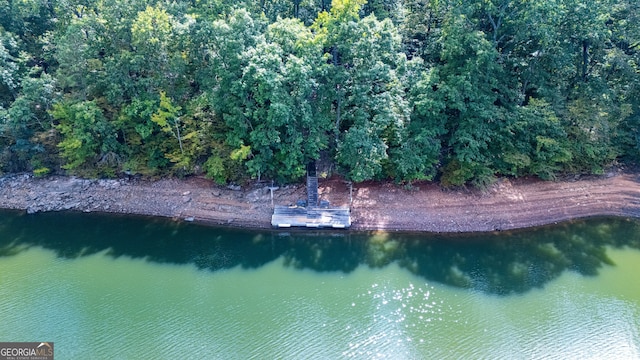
(110,287)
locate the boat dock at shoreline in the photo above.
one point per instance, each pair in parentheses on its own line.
(311,217)
(307,213)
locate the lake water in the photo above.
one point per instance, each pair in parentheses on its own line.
(109,287)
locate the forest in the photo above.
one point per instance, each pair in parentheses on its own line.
(454,91)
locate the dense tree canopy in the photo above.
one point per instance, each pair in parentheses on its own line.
(448,90)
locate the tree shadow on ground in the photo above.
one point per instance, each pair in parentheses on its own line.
(497,263)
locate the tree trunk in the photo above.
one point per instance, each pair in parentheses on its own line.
(334,53)
(585,59)
(179,137)
(296,9)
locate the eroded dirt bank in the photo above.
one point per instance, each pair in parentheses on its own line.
(508,204)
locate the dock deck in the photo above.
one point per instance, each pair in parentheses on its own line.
(311,217)
(308,213)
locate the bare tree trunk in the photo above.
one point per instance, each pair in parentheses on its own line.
(178,136)
(585,59)
(296,9)
(334,53)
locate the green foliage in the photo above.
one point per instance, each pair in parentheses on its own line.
(87,136)
(362,153)
(385,89)
(41,172)
(471,95)
(167,117)
(594,143)
(23,123)
(458,173)
(538,147)
(415,159)
(9,66)
(242,153)
(225,166)
(214,169)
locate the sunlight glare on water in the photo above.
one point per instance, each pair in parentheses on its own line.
(290,298)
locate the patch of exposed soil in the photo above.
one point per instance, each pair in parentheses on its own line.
(507,204)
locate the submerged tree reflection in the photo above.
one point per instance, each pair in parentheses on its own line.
(497,263)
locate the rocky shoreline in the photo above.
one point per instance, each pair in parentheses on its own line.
(167,198)
(508,204)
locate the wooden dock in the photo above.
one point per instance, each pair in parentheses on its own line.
(308,213)
(311,217)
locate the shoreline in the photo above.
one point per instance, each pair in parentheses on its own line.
(506,205)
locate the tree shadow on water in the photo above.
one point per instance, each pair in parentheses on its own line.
(518,261)
(497,263)
(74,235)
